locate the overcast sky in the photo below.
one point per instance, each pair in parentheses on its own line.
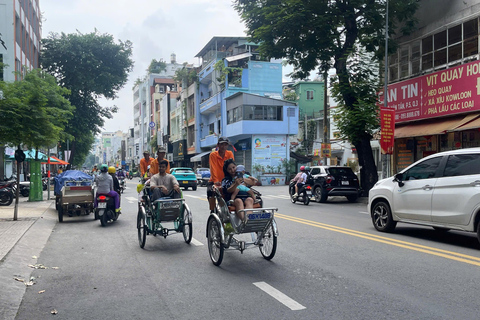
(157,28)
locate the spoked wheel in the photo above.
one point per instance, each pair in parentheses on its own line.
(187,232)
(141,229)
(269,246)
(215,245)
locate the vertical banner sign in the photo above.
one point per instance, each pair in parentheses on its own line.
(326,150)
(387,130)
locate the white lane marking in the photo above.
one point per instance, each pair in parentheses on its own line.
(196,197)
(364,212)
(195,242)
(287,301)
(132,199)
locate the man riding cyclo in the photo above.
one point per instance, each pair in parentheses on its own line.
(144,164)
(163,184)
(160,156)
(216,160)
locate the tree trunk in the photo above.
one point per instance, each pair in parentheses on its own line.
(368,169)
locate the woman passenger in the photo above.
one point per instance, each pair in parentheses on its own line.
(230,184)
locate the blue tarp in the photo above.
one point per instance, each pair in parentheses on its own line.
(205,174)
(75,175)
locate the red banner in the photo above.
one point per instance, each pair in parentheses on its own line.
(387,122)
(447,92)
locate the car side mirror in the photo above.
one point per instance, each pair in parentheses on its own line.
(399,179)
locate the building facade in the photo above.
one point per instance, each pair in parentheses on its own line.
(433,82)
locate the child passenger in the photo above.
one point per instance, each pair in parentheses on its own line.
(243,189)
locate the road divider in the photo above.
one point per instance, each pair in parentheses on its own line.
(398,243)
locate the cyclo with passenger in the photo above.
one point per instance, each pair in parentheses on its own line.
(242,215)
(161,207)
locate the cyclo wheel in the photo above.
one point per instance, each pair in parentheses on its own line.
(141,229)
(215,245)
(269,246)
(187,227)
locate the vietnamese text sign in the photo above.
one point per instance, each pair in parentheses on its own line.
(387,122)
(447,92)
(269,151)
(326,150)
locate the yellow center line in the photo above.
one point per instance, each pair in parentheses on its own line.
(398,243)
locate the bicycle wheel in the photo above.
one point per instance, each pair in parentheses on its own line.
(187,232)
(141,229)
(269,242)
(215,245)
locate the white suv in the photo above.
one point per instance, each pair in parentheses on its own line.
(441,191)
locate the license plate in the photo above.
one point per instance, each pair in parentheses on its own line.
(345,183)
(259,216)
(185,182)
(102,205)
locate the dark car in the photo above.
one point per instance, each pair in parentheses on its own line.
(185,177)
(327,181)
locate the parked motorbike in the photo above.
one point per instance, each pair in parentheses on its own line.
(6,195)
(122,184)
(105,210)
(304,193)
(24,188)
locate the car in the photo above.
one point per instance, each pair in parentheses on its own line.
(441,191)
(327,181)
(203,175)
(185,177)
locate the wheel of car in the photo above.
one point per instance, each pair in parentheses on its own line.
(194,188)
(382,217)
(320,195)
(352,198)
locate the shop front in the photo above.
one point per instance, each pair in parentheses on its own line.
(180,156)
(434,113)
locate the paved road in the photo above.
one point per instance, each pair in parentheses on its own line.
(330,264)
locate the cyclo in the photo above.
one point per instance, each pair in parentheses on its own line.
(164,216)
(259,222)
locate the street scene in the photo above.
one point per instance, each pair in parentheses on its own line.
(261,159)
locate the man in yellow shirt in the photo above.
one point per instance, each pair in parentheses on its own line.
(160,156)
(216,160)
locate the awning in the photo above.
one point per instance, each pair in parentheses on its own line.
(300,158)
(470,125)
(238,57)
(55,160)
(199,156)
(429,128)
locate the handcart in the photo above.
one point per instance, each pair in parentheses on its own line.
(223,227)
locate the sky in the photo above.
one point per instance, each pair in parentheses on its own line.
(157,28)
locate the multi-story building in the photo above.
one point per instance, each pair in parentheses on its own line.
(434,83)
(20,34)
(239,96)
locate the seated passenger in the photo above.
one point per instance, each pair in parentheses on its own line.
(162,183)
(104,183)
(230,184)
(243,189)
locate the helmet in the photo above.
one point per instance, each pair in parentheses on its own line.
(111,170)
(307,168)
(302,168)
(103,168)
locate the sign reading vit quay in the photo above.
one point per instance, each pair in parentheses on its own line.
(447,92)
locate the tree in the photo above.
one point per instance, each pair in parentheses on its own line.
(91,66)
(319,34)
(157,66)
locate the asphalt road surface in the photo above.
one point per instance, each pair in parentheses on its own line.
(330,264)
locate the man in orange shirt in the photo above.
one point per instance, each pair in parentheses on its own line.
(160,156)
(145,162)
(216,160)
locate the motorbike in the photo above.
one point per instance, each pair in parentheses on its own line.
(121,180)
(6,195)
(12,184)
(304,193)
(105,210)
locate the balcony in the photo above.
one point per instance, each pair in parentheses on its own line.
(209,141)
(211,104)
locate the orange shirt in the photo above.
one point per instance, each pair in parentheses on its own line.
(144,164)
(216,165)
(154,166)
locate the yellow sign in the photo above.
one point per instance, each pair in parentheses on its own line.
(326,150)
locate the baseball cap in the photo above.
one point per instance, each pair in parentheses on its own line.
(161,149)
(240,168)
(146,152)
(223,140)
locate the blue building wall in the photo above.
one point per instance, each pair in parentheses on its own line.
(265,78)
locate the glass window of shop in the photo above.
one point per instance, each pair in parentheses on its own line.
(409,150)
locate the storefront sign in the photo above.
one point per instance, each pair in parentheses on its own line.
(179,150)
(387,130)
(326,150)
(447,92)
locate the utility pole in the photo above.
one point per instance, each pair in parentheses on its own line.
(325,128)
(385,157)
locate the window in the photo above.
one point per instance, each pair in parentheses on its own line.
(309,94)
(462,164)
(424,170)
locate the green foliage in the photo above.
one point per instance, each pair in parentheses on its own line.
(230,72)
(307,144)
(34,111)
(157,66)
(91,66)
(186,76)
(153,143)
(290,96)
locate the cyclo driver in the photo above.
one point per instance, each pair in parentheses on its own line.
(216,161)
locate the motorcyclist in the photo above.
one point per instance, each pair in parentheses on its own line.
(116,183)
(300,180)
(121,174)
(104,182)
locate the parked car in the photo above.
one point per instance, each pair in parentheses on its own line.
(327,181)
(441,191)
(185,177)
(203,175)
